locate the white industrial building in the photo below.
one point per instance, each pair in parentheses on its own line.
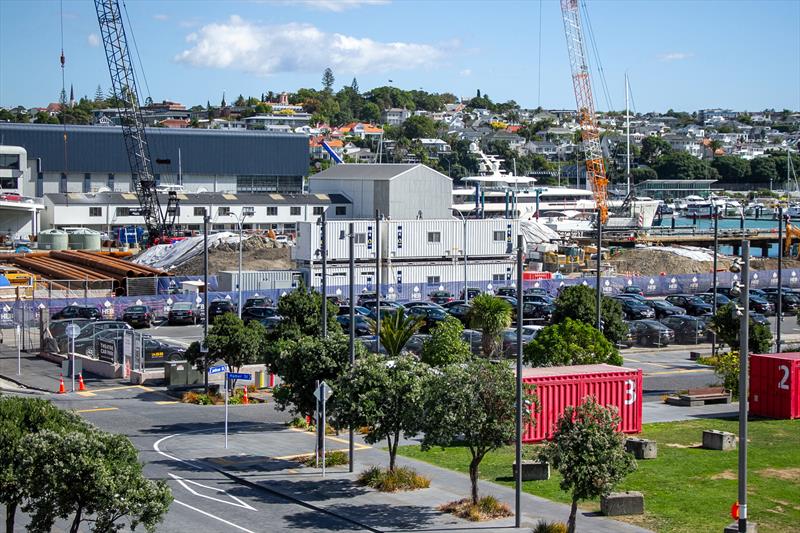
(19,214)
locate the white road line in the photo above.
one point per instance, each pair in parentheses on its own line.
(213,516)
(185,484)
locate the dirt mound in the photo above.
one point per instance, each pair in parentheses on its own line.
(257,254)
(653,261)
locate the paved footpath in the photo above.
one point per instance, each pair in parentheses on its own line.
(259,455)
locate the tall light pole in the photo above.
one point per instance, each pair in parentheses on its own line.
(246,212)
(744,352)
(352,297)
(324,252)
(377,279)
(779,302)
(518,447)
(599,289)
(466,278)
(714,277)
(206,219)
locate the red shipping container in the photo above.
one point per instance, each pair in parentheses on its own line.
(560,386)
(775,385)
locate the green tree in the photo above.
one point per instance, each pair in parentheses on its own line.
(473,403)
(327,80)
(384,396)
(641,174)
(726,366)
(302,314)
(20,417)
(98,95)
(303,361)
(87,474)
(354,86)
(370,113)
(570,342)
(579,302)
(762,169)
(732,168)
(419,126)
(396,330)
(445,345)
(681,166)
(588,452)
(653,148)
(726,324)
(240,101)
(238,344)
(491,315)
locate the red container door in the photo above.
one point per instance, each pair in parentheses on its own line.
(623,393)
(775,385)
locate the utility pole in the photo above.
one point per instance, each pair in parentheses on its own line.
(324,252)
(779,303)
(744,353)
(377,280)
(352,302)
(627,135)
(518,450)
(599,289)
(714,277)
(205,295)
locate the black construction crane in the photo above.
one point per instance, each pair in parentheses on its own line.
(160,225)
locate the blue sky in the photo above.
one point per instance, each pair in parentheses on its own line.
(684,55)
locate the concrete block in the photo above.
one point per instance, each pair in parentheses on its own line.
(718,440)
(642,448)
(734,528)
(622,503)
(533,470)
(694,356)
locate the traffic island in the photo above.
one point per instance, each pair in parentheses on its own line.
(622,503)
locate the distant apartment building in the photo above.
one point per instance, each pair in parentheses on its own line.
(284,122)
(434,147)
(395,116)
(683,143)
(361,130)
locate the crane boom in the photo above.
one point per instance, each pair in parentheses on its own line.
(123,83)
(587,118)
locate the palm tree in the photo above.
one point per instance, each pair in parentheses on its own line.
(396,330)
(491,315)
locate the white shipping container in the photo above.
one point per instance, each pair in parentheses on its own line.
(445,238)
(309,241)
(256,280)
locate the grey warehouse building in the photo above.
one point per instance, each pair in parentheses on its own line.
(93,159)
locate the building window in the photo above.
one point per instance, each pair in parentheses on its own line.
(319,210)
(498,277)
(295,211)
(499,235)
(39,184)
(9,161)
(87,182)
(123,211)
(224,211)
(199,211)
(434,280)
(279,184)
(272,211)
(95,211)
(62,185)
(341,210)
(360,238)
(434,237)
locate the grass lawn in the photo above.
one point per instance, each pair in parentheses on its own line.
(687,489)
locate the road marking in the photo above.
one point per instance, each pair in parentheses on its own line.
(357,447)
(97,409)
(167,402)
(85,393)
(334,439)
(213,516)
(121,387)
(185,484)
(680,371)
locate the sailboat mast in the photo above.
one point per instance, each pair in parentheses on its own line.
(627,135)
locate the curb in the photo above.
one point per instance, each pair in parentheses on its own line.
(25,387)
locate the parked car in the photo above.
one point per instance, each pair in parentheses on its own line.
(77,311)
(365,296)
(138,316)
(336,300)
(460,310)
(258,313)
(58,327)
(540,312)
(156,351)
(630,296)
(510,340)
(652,333)
(441,297)
(219,308)
(364,326)
(270,322)
(257,301)
(430,316)
(535,291)
(506,291)
(708,297)
(635,310)
(471,291)
(538,299)
(511,300)
(385,304)
(630,339)
(758,318)
(90,329)
(421,303)
(688,329)
(415,343)
(694,306)
(183,313)
(663,308)
(358,310)
(790,301)
(633,289)
(474,338)
(761,305)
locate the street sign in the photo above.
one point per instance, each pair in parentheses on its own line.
(107,350)
(72,330)
(238,375)
(217,369)
(328,391)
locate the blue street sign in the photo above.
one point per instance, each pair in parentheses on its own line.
(234,375)
(219,369)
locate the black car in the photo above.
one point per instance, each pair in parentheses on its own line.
(219,308)
(630,339)
(790,301)
(538,312)
(440,297)
(184,313)
(257,313)
(364,326)
(357,310)
(694,306)
(430,316)
(708,297)
(506,291)
(538,299)
(651,333)
(385,304)
(138,316)
(460,310)
(758,318)
(77,311)
(90,329)
(472,292)
(635,310)
(760,305)
(663,308)
(364,297)
(688,329)
(257,301)
(633,289)
(535,291)
(474,338)
(420,303)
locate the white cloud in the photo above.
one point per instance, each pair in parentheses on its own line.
(675,56)
(338,5)
(93,39)
(160,16)
(465,72)
(296,47)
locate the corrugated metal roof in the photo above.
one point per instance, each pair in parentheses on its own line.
(100,149)
(205,198)
(371,171)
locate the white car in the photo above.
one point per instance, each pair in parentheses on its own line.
(284,239)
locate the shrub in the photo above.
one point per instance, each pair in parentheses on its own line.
(550,527)
(487,508)
(727,368)
(570,342)
(334,458)
(401,478)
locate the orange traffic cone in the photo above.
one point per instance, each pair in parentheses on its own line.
(61,389)
(81,386)
(245,399)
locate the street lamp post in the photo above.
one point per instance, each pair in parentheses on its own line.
(744,352)
(205,296)
(599,289)
(714,277)
(246,212)
(518,440)
(779,301)
(324,241)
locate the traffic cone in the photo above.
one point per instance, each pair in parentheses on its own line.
(245,399)
(81,386)
(61,389)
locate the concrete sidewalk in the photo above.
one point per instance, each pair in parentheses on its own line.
(260,456)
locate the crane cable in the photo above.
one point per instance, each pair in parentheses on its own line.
(539,63)
(63,102)
(599,64)
(136,49)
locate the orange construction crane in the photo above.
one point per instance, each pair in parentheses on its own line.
(792,232)
(587,118)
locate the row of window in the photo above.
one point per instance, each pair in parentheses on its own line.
(246,184)
(436,236)
(272,211)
